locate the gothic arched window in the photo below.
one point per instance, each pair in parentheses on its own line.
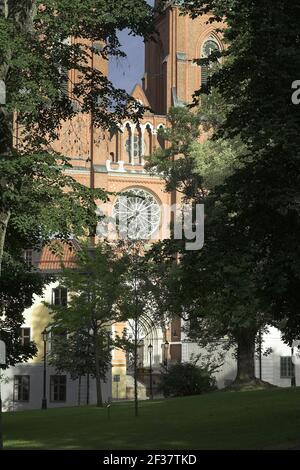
(127,138)
(133,145)
(209,47)
(138,146)
(148,140)
(160,139)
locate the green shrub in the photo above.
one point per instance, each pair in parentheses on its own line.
(186,379)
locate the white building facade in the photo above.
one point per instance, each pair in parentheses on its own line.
(22,386)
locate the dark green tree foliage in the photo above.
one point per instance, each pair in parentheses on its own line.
(74,354)
(36,50)
(181,136)
(36,54)
(95,288)
(18,286)
(41,200)
(256,82)
(185,379)
(219,289)
(247,275)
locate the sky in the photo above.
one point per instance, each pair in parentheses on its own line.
(125,73)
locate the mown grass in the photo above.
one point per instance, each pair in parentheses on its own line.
(221,420)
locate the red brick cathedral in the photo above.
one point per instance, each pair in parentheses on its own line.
(116,162)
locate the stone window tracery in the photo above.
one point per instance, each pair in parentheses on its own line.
(138,213)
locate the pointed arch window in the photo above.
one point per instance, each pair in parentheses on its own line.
(134,145)
(209,47)
(148,140)
(128,141)
(138,147)
(160,138)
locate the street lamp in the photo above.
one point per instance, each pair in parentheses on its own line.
(150,348)
(293,375)
(2,363)
(44,400)
(166,354)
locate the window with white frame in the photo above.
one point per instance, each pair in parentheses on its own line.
(58,388)
(25,336)
(56,336)
(21,388)
(59,296)
(286,367)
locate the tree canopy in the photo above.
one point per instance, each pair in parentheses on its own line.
(52,62)
(42,41)
(247,275)
(261,63)
(95,289)
(17,289)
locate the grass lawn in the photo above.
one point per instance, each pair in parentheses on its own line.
(222,420)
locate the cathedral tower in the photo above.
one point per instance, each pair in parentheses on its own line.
(171,76)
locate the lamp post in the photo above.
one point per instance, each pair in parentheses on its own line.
(166,354)
(44,400)
(260,354)
(2,363)
(150,348)
(293,375)
(1,432)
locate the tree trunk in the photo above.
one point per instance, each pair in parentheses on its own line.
(136,396)
(98,372)
(293,376)
(6,127)
(87,389)
(245,377)
(245,356)
(136,320)
(6,134)
(79,391)
(4,219)
(1,431)
(22,14)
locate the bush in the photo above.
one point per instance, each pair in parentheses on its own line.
(186,379)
